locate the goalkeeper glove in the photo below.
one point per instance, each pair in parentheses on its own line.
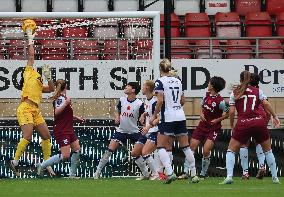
(46,71)
(31,36)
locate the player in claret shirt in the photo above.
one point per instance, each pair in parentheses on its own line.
(255,78)
(247,99)
(213,111)
(129,110)
(63,131)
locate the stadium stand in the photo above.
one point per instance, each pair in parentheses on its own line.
(280,24)
(274,7)
(228,25)
(53,50)
(270,49)
(16,50)
(181,49)
(203,51)
(239,49)
(175,26)
(105,28)
(197,25)
(85,50)
(214,6)
(258,24)
(116,49)
(243,7)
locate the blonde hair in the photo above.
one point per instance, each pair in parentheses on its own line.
(60,85)
(150,84)
(165,66)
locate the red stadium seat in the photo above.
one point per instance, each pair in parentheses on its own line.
(114,50)
(103,28)
(239,49)
(203,50)
(274,7)
(270,49)
(258,25)
(143,49)
(243,7)
(46,22)
(228,24)
(42,33)
(280,24)
(175,25)
(197,25)
(16,50)
(85,50)
(75,32)
(11,32)
(180,49)
(136,27)
(54,50)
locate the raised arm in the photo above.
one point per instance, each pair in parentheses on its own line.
(31,55)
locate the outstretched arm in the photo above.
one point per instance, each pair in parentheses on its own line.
(31,55)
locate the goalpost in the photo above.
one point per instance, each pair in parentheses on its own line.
(101,80)
(155,15)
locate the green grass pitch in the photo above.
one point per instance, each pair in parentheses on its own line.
(127,187)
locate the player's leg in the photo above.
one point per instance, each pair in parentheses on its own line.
(162,142)
(26,122)
(244,160)
(113,145)
(139,160)
(234,146)
(266,146)
(74,161)
(262,137)
(261,159)
(183,142)
(207,147)
(27,131)
(186,171)
(148,149)
(43,131)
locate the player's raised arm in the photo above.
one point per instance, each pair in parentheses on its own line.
(31,50)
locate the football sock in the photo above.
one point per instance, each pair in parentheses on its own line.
(191,160)
(142,165)
(244,159)
(260,156)
(74,162)
(271,163)
(186,166)
(205,165)
(165,159)
(52,161)
(170,153)
(21,148)
(151,163)
(230,163)
(158,162)
(104,160)
(46,148)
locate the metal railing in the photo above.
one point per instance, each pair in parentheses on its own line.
(132,50)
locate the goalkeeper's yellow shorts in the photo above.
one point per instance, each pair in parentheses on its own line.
(29,114)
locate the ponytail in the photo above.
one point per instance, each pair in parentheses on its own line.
(60,85)
(245,78)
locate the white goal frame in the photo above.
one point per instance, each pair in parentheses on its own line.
(155,15)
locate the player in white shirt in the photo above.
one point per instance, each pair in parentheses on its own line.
(170,101)
(129,109)
(146,145)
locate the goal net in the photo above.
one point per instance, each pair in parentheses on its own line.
(97,54)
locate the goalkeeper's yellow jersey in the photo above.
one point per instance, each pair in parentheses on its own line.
(33,85)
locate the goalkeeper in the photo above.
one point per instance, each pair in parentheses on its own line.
(28,113)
